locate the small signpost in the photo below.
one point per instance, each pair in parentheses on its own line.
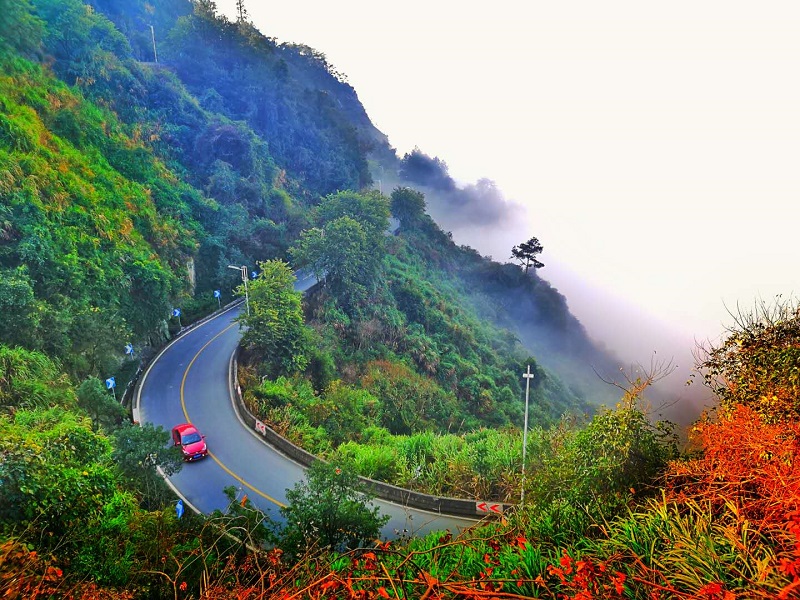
(179,508)
(129,349)
(111,383)
(217,294)
(176,312)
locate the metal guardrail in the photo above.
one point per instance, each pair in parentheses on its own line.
(456,507)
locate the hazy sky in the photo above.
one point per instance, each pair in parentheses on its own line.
(655,146)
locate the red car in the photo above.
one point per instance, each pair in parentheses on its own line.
(192,443)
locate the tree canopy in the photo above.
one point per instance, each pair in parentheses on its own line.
(274,327)
(526,253)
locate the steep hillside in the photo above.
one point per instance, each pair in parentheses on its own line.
(98,235)
(251,134)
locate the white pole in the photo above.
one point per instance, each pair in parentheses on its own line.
(246,295)
(528,376)
(243,271)
(153,34)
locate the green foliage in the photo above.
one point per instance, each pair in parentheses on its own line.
(32,380)
(382,463)
(329,509)
(621,450)
(274,320)
(579,477)
(321,366)
(139,451)
(102,407)
(346,248)
(409,402)
(758,363)
(59,487)
(408,205)
(344,412)
(112,190)
(87,242)
(370,210)
(21,31)
(81,40)
(341,255)
(287,93)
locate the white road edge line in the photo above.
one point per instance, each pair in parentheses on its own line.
(137,411)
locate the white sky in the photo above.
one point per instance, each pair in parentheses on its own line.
(656,146)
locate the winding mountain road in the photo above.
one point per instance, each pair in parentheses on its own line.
(188,382)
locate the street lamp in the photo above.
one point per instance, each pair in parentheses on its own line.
(528,376)
(243,271)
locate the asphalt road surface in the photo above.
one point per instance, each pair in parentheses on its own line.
(188,382)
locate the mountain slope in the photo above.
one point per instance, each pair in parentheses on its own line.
(220,150)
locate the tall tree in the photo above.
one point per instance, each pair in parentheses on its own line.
(342,254)
(347,245)
(274,325)
(241,11)
(139,453)
(526,254)
(370,210)
(408,205)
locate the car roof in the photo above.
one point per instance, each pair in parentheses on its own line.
(184,428)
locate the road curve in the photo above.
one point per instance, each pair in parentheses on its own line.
(188,381)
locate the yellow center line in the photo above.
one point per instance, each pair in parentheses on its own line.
(188,420)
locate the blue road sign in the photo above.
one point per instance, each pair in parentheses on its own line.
(176,312)
(179,508)
(111,383)
(217,293)
(128,348)
(253,274)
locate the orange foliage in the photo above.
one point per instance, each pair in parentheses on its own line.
(586,579)
(25,574)
(753,468)
(746,462)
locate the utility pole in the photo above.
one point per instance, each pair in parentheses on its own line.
(153,35)
(246,296)
(528,376)
(243,271)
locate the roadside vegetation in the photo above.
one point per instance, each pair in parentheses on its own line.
(612,510)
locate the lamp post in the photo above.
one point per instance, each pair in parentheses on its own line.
(243,271)
(528,376)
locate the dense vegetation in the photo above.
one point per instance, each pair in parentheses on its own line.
(723,523)
(405,380)
(128,183)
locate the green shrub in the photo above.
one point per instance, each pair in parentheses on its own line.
(329,509)
(376,462)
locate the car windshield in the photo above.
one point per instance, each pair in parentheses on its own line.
(190,438)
